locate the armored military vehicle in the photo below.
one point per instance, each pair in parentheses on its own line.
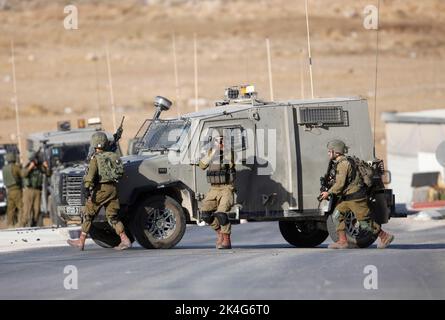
(65,150)
(280,150)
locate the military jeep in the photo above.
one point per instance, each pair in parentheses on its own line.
(280,150)
(65,150)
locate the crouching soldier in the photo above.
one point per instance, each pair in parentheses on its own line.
(349,187)
(12,178)
(104,170)
(220,167)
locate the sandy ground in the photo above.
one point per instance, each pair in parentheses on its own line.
(62,74)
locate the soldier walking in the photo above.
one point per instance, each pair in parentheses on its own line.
(352,191)
(32,194)
(104,170)
(12,177)
(220,167)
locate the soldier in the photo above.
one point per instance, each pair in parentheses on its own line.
(220,198)
(104,170)
(12,177)
(32,194)
(350,188)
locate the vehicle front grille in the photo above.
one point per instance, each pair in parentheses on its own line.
(72,190)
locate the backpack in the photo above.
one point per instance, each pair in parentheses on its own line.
(365,171)
(110,167)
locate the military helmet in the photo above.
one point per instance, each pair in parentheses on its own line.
(99,140)
(10,157)
(338,146)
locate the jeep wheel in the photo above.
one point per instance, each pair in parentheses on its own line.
(304,234)
(105,236)
(159,223)
(355,237)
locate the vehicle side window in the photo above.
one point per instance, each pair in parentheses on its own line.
(235,138)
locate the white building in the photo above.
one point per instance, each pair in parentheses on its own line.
(412,139)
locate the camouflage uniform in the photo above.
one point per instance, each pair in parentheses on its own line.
(352,197)
(32,194)
(104,170)
(220,198)
(105,194)
(12,177)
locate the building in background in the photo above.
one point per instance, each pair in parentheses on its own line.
(412,140)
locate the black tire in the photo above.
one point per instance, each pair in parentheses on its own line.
(159,222)
(355,237)
(302,234)
(105,236)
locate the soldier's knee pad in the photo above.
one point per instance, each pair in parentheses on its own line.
(207,216)
(222,218)
(113,220)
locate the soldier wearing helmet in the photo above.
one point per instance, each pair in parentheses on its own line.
(349,188)
(104,170)
(12,178)
(33,182)
(220,165)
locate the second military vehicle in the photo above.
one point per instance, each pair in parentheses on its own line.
(65,150)
(280,150)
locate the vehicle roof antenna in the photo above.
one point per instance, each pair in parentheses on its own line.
(376,73)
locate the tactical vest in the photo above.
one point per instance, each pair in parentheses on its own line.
(34,179)
(109,166)
(8,177)
(354,180)
(220,172)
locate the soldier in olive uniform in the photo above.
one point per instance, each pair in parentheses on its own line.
(12,177)
(32,194)
(350,188)
(101,191)
(220,167)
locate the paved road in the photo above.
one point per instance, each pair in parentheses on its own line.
(261,266)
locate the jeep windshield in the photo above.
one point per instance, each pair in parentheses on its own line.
(69,153)
(162,135)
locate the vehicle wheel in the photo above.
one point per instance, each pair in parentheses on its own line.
(159,223)
(355,236)
(302,234)
(105,236)
(55,219)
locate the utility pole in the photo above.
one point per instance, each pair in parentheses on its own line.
(175,69)
(269,68)
(195,55)
(110,84)
(16,101)
(309,48)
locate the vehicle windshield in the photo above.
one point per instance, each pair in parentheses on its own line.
(163,134)
(2,161)
(69,153)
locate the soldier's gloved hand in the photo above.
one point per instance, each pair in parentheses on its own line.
(87,193)
(324,195)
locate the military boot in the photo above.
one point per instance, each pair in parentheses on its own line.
(125,242)
(78,243)
(342,242)
(219,239)
(385,239)
(226,244)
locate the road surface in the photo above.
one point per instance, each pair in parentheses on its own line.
(260,266)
